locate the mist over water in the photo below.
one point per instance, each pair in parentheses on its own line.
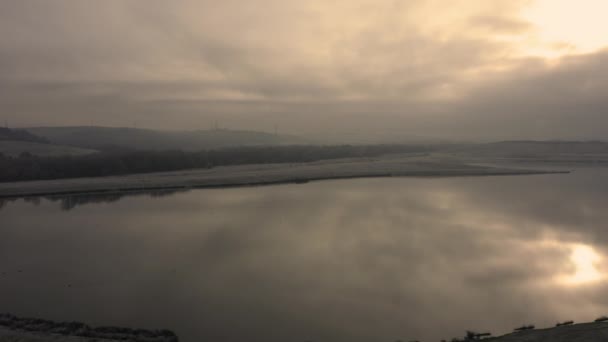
(351,260)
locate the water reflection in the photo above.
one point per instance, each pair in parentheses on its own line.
(356,260)
(70,202)
(584,260)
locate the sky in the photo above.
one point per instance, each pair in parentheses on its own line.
(344,69)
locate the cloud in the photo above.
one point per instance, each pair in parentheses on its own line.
(410,64)
(499,24)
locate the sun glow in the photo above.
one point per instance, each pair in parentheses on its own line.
(585,260)
(567,26)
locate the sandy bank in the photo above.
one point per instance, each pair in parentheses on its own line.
(247,175)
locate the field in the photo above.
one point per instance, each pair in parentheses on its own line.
(15,148)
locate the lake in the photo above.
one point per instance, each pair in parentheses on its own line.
(352,260)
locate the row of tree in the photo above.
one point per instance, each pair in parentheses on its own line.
(30,167)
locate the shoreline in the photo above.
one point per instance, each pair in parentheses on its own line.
(260,175)
(259,184)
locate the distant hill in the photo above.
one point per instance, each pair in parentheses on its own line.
(15,148)
(14,142)
(532,147)
(536,149)
(106,138)
(561,152)
(19,135)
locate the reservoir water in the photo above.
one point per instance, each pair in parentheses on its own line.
(352,260)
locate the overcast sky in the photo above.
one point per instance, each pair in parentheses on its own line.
(458,69)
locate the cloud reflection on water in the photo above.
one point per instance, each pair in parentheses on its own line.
(356,260)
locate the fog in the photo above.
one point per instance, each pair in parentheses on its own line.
(376,70)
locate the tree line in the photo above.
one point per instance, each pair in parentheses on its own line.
(30,167)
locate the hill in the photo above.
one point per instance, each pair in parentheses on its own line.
(14,142)
(19,135)
(565,152)
(107,138)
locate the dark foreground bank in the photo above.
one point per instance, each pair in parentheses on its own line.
(15,329)
(585,332)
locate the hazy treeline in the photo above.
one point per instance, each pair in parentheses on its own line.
(20,135)
(30,167)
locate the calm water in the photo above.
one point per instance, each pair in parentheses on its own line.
(354,260)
